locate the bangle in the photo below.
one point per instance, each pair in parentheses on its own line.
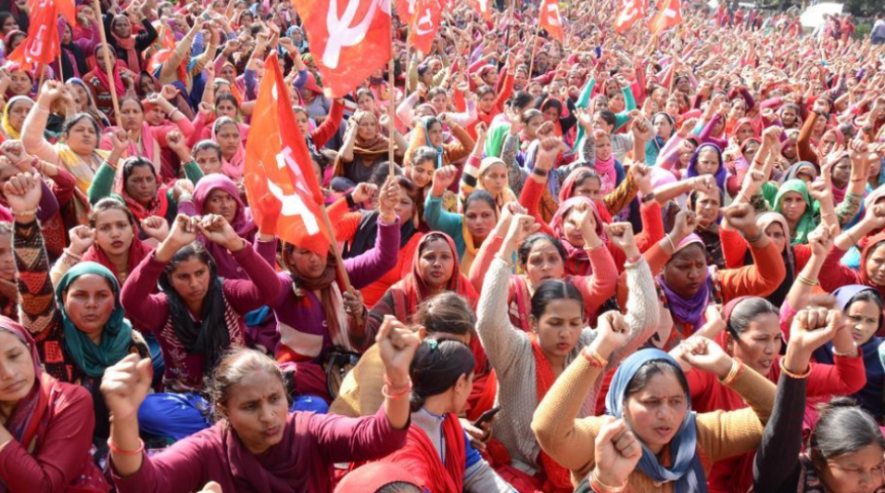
(594,248)
(600,487)
(405,392)
(736,369)
(31,212)
(806,281)
(849,354)
(850,237)
(68,252)
(118,451)
(671,243)
(540,172)
(648,198)
(596,360)
(797,376)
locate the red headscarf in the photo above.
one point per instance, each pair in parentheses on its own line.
(372,477)
(420,457)
(868,250)
(578,261)
(137,252)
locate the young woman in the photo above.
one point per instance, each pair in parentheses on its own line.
(147,140)
(196,316)
(359,231)
(541,258)
(314,311)
(79,154)
(429,133)
(83,101)
(871,271)
(489,174)
(226,133)
(527,364)
(140,186)
(111,239)
(256,446)
(47,425)
(437,450)
(14,115)
(468,230)
(665,441)
(101,83)
(689,285)
(845,452)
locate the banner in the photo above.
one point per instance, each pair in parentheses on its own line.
(550,19)
(42,45)
(630,12)
(424,24)
(669,16)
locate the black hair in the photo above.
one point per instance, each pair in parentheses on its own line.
(226,96)
(399,487)
(693,198)
(208,144)
(424,153)
(436,367)
(650,369)
(843,428)
(222,121)
(107,204)
(434,92)
(543,103)
(525,248)
(480,196)
(870,296)
(608,116)
(365,92)
(136,162)
(527,115)
(521,100)
(132,97)
(483,90)
(232,367)
(446,313)
(187,252)
(743,314)
(380,174)
(552,290)
(77,118)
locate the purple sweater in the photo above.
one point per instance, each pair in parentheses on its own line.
(311,337)
(311,444)
(185,371)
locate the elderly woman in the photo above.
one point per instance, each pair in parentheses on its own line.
(364,150)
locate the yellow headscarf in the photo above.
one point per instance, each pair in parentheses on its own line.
(10,132)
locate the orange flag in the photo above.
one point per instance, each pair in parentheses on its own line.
(350,39)
(484,7)
(550,19)
(669,16)
(279,164)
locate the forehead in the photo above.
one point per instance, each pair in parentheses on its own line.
(111,215)
(436,246)
(219,194)
(662,385)
(90,282)
(254,386)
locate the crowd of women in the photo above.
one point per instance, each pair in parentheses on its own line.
(614,263)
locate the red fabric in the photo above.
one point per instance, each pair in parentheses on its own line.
(550,19)
(424,24)
(42,45)
(558,479)
(137,252)
(352,54)
(296,186)
(372,477)
(420,458)
(128,44)
(631,11)
(482,397)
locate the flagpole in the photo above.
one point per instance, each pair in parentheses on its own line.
(391,101)
(534,45)
(61,70)
(107,58)
(42,75)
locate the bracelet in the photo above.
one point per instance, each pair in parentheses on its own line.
(600,487)
(850,354)
(850,237)
(592,249)
(595,359)
(797,376)
(671,243)
(540,172)
(384,392)
(118,451)
(68,252)
(648,198)
(737,368)
(31,212)
(806,281)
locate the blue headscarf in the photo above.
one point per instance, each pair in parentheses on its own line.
(693,164)
(116,338)
(686,471)
(426,122)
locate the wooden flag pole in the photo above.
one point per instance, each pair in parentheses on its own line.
(42,75)
(107,58)
(391,102)
(534,45)
(61,70)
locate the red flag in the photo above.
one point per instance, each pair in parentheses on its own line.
(424,24)
(279,163)
(42,44)
(669,16)
(405,9)
(550,20)
(631,11)
(350,39)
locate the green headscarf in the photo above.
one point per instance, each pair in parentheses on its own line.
(116,339)
(806,222)
(495,140)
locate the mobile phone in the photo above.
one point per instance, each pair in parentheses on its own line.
(486,417)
